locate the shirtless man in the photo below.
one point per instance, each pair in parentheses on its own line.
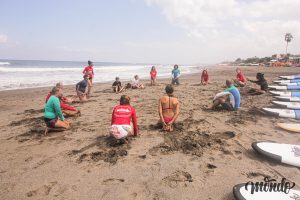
(168,109)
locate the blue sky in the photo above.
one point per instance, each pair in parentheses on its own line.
(155,31)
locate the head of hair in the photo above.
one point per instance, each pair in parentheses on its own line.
(228,83)
(169,89)
(238,70)
(153,68)
(59,85)
(54,90)
(125,100)
(117,78)
(260,76)
(204,71)
(136,76)
(90,62)
(176,66)
(85,76)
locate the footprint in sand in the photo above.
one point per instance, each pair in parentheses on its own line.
(44,190)
(175,178)
(113,181)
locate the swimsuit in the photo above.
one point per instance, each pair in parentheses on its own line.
(89,69)
(168,119)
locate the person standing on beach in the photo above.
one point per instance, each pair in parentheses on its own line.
(123,122)
(153,74)
(240,80)
(168,109)
(53,115)
(89,70)
(230,99)
(81,88)
(204,77)
(175,75)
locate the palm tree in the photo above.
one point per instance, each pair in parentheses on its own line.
(288,38)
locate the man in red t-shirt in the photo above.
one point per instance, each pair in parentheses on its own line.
(89,70)
(240,78)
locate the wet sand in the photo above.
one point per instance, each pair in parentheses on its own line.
(207,154)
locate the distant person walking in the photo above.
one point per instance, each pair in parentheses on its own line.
(153,74)
(175,75)
(89,70)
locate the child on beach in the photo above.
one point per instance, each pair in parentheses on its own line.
(117,85)
(204,77)
(153,74)
(168,109)
(88,70)
(81,88)
(175,75)
(136,83)
(262,82)
(53,115)
(229,99)
(240,80)
(123,122)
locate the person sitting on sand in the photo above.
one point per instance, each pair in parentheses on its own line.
(262,82)
(117,86)
(122,116)
(88,70)
(175,75)
(229,99)
(204,77)
(81,88)
(136,83)
(240,80)
(168,109)
(53,115)
(66,109)
(153,74)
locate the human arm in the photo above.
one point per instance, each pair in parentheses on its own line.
(221,94)
(57,109)
(160,112)
(177,110)
(134,121)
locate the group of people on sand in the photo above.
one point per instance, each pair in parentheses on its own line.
(124,121)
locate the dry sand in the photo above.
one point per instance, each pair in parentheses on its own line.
(207,154)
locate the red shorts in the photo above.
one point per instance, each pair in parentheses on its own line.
(168,119)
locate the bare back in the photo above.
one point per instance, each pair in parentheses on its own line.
(168,105)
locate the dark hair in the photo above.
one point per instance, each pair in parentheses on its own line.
(90,62)
(85,76)
(228,83)
(125,100)
(54,90)
(169,89)
(260,76)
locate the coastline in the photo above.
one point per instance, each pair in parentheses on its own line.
(78,164)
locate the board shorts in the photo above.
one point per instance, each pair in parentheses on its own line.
(168,119)
(175,81)
(50,122)
(80,93)
(120,131)
(228,106)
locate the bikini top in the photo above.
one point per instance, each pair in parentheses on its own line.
(169,108)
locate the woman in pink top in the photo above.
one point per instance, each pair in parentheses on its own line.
(240,78)
(153,74)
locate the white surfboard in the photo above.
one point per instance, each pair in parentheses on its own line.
(290,99)
(287,81)
(286,87)
(290,127)
(288,84)
(291,77)
(295,114)
(289,105)
(241,193)
(281,93)
(283,153)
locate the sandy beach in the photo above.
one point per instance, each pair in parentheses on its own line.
(208,153)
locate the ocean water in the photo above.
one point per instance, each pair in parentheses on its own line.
(19,74)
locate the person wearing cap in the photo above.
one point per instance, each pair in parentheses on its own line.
(262,82)
(81,88)
(175,75)
(229,99)
(89,70)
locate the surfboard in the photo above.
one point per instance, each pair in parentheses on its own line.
(289,105)
(289,87)
(286,93)
(295,114)
(283,153)
(287,81)
(290,99)
(241,193)
(290,127)
(291,77)
(289,84)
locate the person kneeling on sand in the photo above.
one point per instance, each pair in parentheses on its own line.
(168,109)
(175,75)
(136,83)
(123,122)
(229,99)
(117,86)
(204,77)
(81,88)
(53,115)
(262,82)
(240,80)
(66,109)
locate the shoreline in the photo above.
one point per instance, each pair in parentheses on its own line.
(210,151)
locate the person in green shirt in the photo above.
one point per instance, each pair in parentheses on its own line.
(53,115)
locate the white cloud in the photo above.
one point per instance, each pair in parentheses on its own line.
(3,38)
(239,27)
